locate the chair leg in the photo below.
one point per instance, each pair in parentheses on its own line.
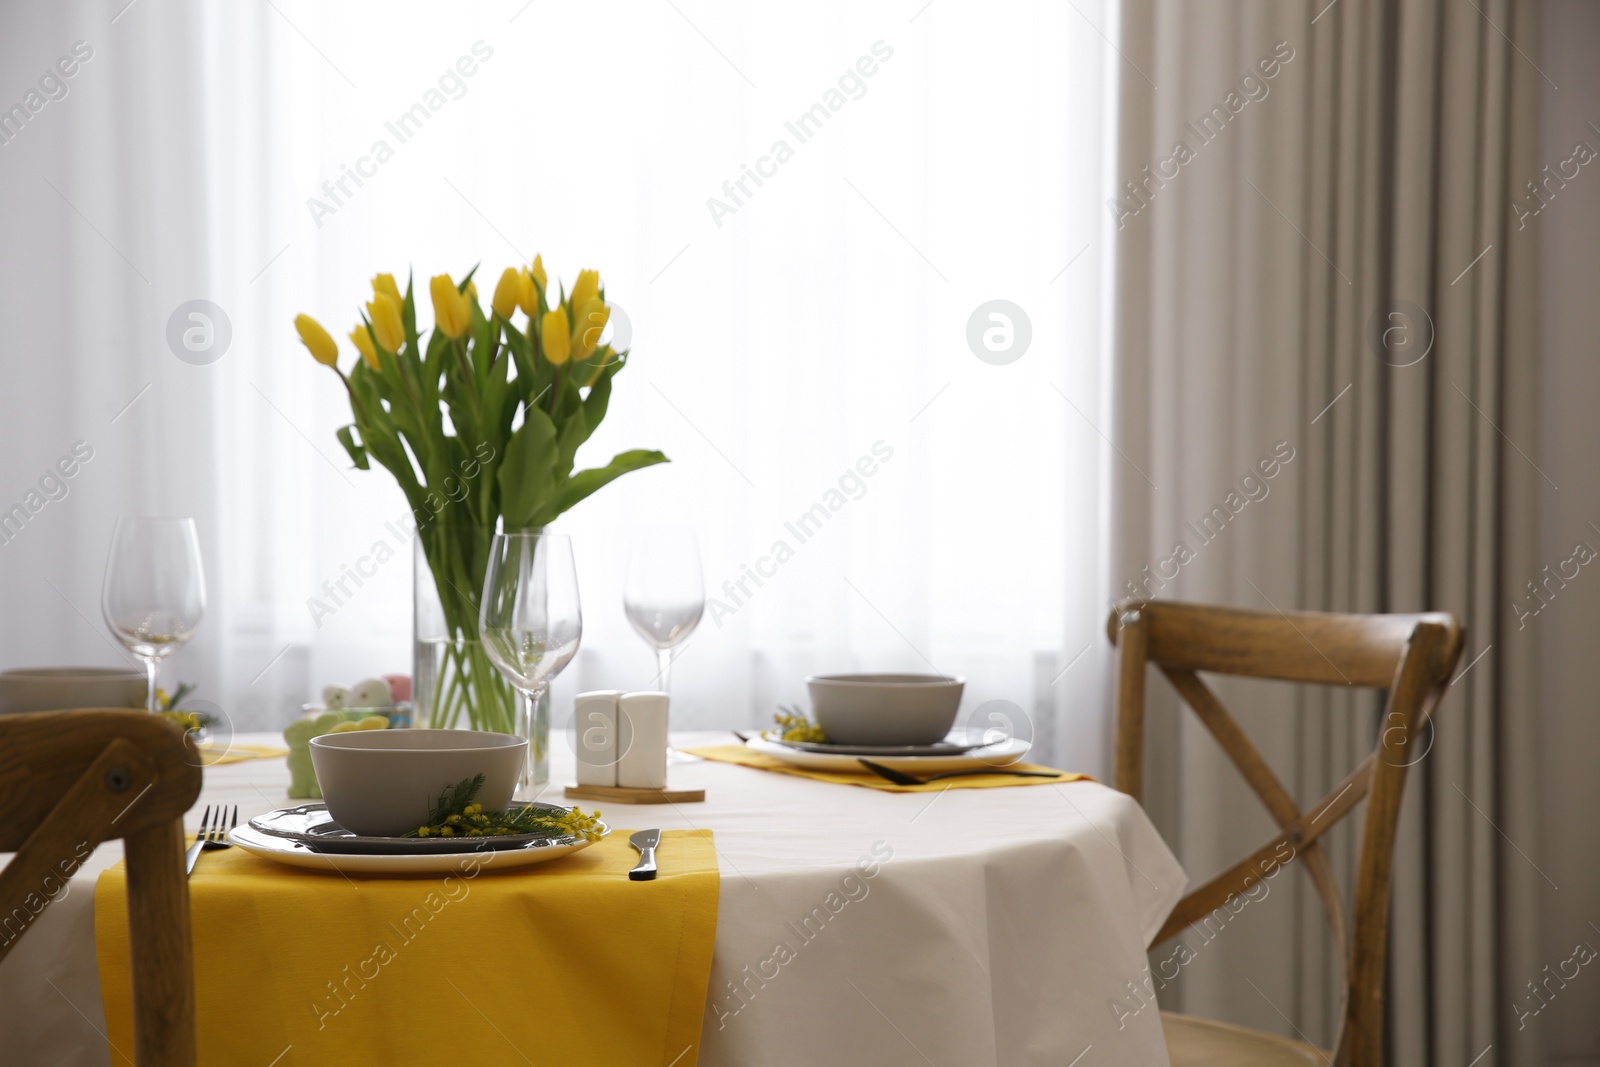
(159,944)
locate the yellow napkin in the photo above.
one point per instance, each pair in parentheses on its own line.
(750,758)
(238,752)
(566,962)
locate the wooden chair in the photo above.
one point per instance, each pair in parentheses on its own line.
(1413,657)
(72,779)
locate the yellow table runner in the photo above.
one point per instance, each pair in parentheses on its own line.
(566,962)
(238,752)
(750,758)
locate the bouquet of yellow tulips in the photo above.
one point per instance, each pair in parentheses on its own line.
(520,402)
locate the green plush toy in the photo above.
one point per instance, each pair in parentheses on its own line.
(303,776)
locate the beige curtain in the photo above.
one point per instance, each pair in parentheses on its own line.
(1319,273)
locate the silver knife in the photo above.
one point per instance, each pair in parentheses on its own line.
(193,854)
(645,841)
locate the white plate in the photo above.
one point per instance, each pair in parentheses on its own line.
(283,850)
(996,755)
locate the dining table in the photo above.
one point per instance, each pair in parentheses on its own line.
(963,927)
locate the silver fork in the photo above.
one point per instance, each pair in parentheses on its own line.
(211,835)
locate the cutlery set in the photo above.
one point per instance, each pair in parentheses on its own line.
(212,835)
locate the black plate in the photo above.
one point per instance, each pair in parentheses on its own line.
(313,827)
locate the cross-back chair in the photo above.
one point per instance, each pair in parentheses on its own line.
(1411,656)
(72,779)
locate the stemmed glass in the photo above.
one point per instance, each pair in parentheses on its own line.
(155,589)
(664,594)
(530,622)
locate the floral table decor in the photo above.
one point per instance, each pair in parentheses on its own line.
(480,422)
(792,724)
(191,720)
(458,814)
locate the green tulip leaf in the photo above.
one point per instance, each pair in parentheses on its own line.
(358,455)
(433,365)
(574,432)
(497,413)
(408,313)
(527,471)
(484,335)
(599,398)
(585,482)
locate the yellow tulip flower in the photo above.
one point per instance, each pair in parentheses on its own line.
(553,332)
(527,296)
(316,339)
(363,342)
(538,273)
(384,283)
(586,288)
(588,324)
(450,311)
(384,311)
(507,293)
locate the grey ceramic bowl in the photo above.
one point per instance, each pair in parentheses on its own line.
(885,709)
(380,783)
(66,688)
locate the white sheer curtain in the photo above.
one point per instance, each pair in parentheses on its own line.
(271,159)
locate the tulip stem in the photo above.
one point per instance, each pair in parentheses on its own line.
(499,347)
(555,391)
(600,367)
(469,383)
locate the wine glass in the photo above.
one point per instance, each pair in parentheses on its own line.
(664,595)
(155,589)
(530,622)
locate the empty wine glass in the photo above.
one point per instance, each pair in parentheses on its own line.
(155,589)
(664,595)
(530,622)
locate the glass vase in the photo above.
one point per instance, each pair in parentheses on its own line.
(454,684)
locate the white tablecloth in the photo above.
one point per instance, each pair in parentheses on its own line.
(997,927)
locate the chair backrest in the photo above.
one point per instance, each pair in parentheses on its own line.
(72,779)
(1412,656)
